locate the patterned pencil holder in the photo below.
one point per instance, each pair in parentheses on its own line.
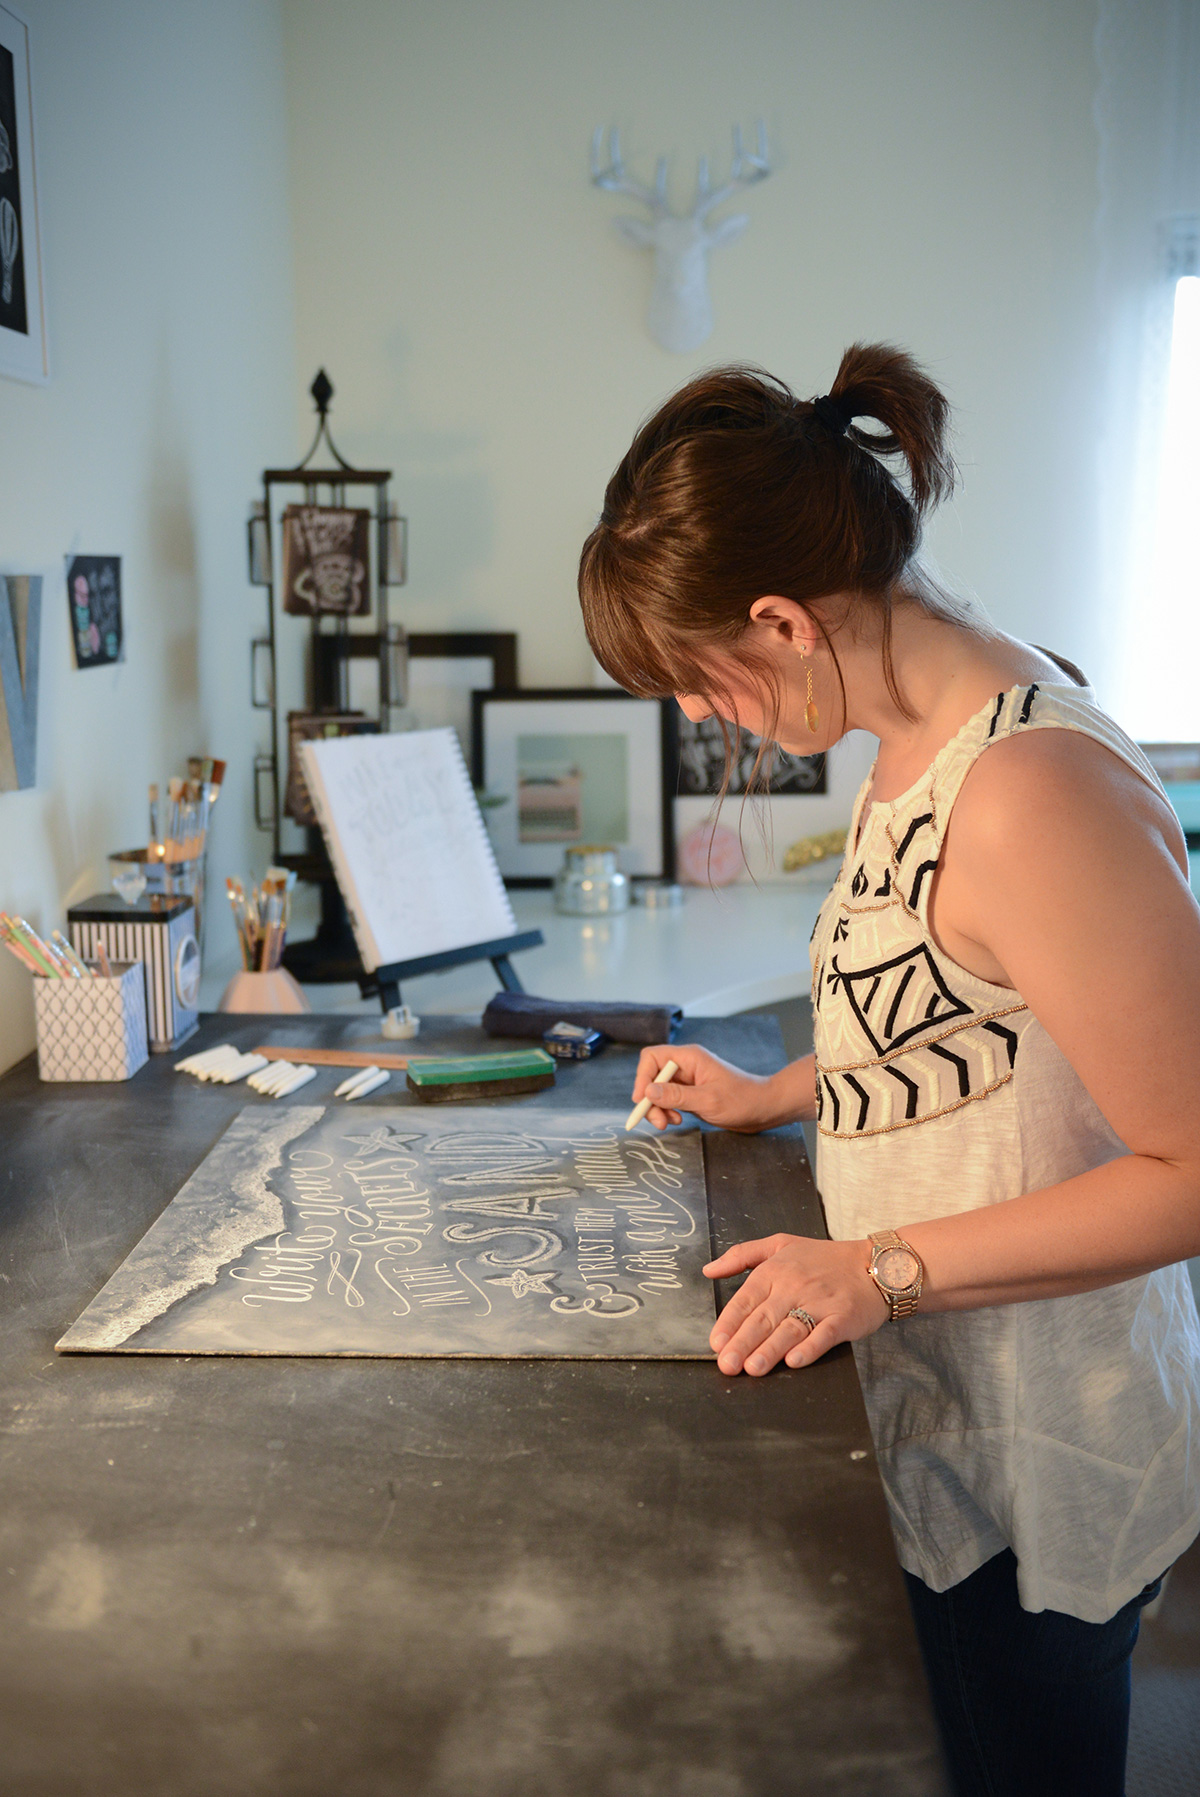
(92,1029)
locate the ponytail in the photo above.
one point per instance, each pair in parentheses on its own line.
(735,489)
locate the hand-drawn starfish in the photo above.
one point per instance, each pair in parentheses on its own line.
(522,1283)
(383,1136)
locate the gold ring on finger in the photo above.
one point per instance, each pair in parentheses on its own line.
(801,1315)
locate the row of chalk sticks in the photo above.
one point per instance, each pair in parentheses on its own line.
(225,1065)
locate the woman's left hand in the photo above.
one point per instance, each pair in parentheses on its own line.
(827,1279)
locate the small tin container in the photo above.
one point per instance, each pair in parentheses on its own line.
(572,1042)
(589,883)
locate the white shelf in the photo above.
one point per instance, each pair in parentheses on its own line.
(719,953)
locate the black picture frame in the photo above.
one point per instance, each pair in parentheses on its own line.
(332,652)
(640,860)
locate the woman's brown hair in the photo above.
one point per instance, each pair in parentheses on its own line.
(735,489)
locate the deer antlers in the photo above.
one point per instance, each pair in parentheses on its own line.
(614,179)
(747,168)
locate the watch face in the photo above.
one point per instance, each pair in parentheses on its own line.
(898,1269)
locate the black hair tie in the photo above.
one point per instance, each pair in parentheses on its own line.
(833,413)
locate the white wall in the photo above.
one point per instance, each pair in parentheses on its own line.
(935,185)
(160,143)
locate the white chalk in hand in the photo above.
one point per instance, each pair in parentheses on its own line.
(663,1077)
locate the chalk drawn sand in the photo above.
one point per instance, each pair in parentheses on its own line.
(478,1232)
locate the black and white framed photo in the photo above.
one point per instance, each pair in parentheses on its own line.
(23,351)
(702,756)
(576,765)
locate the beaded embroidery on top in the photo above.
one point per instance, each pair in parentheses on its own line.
(903,1034)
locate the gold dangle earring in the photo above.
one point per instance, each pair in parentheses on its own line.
(812,716)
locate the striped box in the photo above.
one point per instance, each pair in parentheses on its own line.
(91,1029)
(160,932)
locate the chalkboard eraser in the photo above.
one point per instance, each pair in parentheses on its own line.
(460,1079)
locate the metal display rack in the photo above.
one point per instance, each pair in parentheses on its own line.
(331,956)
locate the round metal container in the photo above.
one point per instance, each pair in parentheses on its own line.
(589,883)
(657,895)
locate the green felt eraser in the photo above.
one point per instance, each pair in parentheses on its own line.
(457,1078)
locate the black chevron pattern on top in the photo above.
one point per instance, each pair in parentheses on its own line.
(1009,1038)
(862,1100)
(918,823)
(1030,696)
(911,1088)
(895,1000)
(960,1062)
(925,869)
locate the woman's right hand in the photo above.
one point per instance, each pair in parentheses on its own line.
(709,1088)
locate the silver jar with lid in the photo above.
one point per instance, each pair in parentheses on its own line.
(589,882)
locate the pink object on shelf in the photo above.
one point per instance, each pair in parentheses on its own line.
(710,856)
(275,991)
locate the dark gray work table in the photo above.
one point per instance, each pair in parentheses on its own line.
(302,1578)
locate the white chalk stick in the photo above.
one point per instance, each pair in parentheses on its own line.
(380,1078)
(641,1110)
(355,1079)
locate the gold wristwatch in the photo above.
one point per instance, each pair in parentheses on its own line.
(897,1271)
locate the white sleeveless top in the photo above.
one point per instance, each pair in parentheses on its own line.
(1061,1428)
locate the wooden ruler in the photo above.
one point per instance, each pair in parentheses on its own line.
(333,1057)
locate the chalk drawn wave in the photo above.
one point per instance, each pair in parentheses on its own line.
(197,1234)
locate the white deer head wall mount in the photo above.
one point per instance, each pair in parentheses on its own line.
(681,316)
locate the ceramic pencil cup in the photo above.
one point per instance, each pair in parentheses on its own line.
(265,993)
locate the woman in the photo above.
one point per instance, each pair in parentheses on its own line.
(1006,1001)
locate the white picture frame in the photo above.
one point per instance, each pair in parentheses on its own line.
(599,766)
(24,350)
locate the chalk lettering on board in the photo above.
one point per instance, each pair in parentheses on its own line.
(545,1244)
(541,1233)
(396,1293)
(510,1204)
(623,1304)
(344,1282)
(520,1283)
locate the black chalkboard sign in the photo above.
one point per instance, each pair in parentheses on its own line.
(393,1232)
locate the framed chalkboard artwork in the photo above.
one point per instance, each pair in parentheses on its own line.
(23,350)
(94,598)
(523,1232)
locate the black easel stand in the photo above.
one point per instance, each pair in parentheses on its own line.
(386,980)
(331,956)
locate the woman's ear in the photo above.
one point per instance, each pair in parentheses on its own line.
(790,624)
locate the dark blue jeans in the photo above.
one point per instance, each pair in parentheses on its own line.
(1029,1705)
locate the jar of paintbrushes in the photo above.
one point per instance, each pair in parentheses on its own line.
(261,919)
(172,863)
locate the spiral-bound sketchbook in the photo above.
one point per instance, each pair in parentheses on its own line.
(408,844)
